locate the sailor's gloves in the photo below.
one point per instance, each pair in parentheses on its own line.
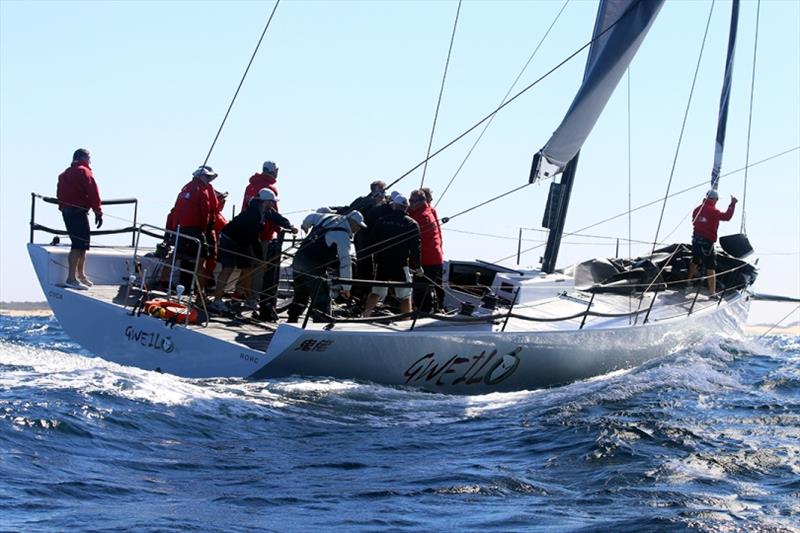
(98,220)
(418,272)
(293,230)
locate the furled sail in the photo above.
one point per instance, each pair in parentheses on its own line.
(620,27)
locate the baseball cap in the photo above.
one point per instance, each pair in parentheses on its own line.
(399,199)
(266,195)
(356,217)
(204,170)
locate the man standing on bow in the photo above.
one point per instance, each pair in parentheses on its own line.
(706,218)
(77,193)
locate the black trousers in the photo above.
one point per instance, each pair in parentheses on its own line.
(310,287)
(268,299)
(429,299)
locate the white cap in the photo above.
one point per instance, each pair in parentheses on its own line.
(266,195)
(399,199)
(204,170)
(270,167)
(356,217)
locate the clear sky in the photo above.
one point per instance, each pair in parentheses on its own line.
(342,93)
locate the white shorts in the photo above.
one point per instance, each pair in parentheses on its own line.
(401,293)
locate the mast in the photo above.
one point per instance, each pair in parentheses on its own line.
(724,100)
(620,27)
(556,213)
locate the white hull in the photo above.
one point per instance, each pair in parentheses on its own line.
(465,362)
(443,357)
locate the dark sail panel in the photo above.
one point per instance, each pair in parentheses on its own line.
(725,97)
(625,23)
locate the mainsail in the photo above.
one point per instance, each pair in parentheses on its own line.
(620,27)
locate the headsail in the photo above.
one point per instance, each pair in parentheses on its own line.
(620,27)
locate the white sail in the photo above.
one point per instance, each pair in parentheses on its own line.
(619,30)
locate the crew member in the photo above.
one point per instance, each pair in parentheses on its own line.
(77,193)
(262,278)
(706,218)
(240,243)
(327,246)
(194,212)
(364,264)
(395,239)
(432,257)
(268,299)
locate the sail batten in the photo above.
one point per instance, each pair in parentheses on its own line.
(620,28)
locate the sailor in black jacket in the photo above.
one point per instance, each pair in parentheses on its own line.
(394,242)
(239,245)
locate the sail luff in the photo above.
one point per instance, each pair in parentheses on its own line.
(722,120)
(620,28)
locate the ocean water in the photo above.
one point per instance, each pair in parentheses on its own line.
(706,439)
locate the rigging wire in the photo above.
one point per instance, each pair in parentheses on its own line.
(511,88)
(513,98)
(246,70)
(630,244)
(750,119)
(441,91)
(683,126)
(445,220)
(629,164)
(780,321)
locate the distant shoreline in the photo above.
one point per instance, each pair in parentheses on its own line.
(19,309)
(25,309)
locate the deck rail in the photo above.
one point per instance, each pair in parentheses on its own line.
(716,301)
(34,226)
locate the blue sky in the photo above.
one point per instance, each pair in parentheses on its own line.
(342,93)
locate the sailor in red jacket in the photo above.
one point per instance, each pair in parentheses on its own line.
(706,218)
(258,181)
(77,193)
(194,213)
(432,257)
(263,283)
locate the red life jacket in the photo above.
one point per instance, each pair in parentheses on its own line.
(430,234)
(196,205)
(77,188)
(706,218)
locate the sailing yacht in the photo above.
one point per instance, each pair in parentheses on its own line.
(513,329)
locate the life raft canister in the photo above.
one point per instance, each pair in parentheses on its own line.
(168,310)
